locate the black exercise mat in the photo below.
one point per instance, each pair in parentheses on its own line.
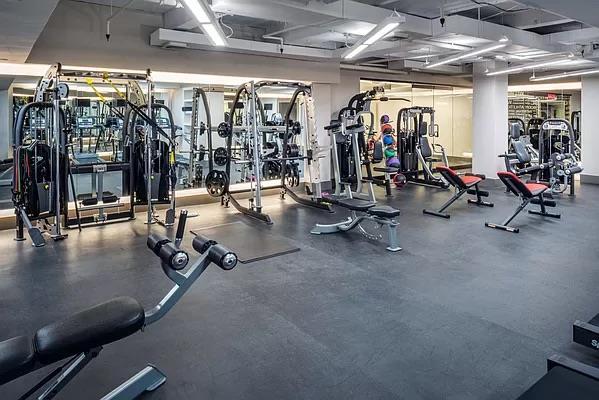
(248,243)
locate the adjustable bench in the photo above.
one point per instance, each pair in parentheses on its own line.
(80,337)
(528,193)
(467,183)
(381,215)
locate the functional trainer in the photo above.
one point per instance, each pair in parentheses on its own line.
(527,193)
(467,183)
(80,337)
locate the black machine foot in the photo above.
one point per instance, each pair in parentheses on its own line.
(436,214)
(481,193)
(37,238)
(481,203)
(502,227)
(545,214)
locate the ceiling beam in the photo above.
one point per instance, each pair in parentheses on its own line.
(164,37)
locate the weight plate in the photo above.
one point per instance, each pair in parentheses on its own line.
(221,156)
(292,150)
(224,130)
(271,170)
(216,183)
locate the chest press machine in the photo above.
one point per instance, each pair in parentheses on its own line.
(80,337)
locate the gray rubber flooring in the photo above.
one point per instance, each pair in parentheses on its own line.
(463,312)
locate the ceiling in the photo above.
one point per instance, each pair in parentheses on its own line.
(539,30)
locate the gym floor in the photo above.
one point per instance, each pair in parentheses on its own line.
(463,312)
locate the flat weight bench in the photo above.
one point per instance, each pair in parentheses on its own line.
(467,183)
(80,337)
(381,215)
(529,193)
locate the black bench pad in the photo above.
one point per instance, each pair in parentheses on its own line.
(94,327)
(562,384)
(355,204)
(384,212)
(16,358)
(386,170)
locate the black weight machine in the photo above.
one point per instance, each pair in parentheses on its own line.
(353,117)
(151,156)
(556,147)
(417,155)
(40,162)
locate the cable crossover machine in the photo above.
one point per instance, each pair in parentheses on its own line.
(48,155)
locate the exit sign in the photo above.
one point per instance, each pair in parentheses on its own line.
(551,96)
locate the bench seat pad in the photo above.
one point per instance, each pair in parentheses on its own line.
(355,204)
(384,212)
(16,358)
(88,329)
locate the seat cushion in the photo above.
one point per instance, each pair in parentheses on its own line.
(16,358)
(536,188)
(470,180)
(384,212)
(355,204)
(94,327)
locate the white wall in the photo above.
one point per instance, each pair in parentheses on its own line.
(490,115)
(6,121)
(589,124)
(323,98)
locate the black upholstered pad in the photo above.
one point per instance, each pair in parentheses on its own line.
(355,204)
(386,169)
(562,384)
(96,326)
(16,358)
(384,211)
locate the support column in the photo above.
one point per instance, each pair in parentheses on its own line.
(6,122)
(489,119)
(589,123)
(322,115)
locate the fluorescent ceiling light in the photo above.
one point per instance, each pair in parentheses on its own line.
(381,33)
(565,75)
(207,20)
(11,69)
(546,87)
(524,67)
(355,51)
(39,70)
(216,36)
(199,11)
(385,27)
(470,53)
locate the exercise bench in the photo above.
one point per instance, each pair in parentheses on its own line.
(80,338)
(381,215)
(528,193)
(467,183)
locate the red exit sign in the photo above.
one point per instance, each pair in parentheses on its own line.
(551,96)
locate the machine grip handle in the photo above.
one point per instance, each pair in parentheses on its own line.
(168,253)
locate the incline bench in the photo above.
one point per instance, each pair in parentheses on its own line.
(529,193)
(382,215)
(80,337)
(467,183)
